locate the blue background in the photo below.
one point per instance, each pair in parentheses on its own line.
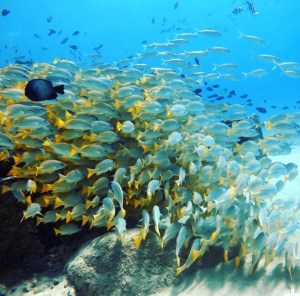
(121,26)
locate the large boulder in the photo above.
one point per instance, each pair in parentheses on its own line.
(105,267)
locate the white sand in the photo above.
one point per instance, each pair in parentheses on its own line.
(225,279)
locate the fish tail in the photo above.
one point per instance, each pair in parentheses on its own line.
(137,240)
(59,89)
(57,232)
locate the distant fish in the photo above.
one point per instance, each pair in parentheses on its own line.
(144,41)
(28,63)
(49,19)
(197,61)
(153,20)
(75,33)
(41,89)
(215,85)
(51,31)
(176,5)
(73,46)
(36,36)
(210,33)
(64,40)
(253,39)
(251,7)
(261,109)
(238,10)
(244,96)
(220,98)
(5,12)
(98,47)
(199,90)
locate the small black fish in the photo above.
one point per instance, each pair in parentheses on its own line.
(64,40)
(44,48)
(212,96)
(249,104)
(176,5)
(197,61)
(244,96)
(197,91)
(249,100)
(298,102)
(98,47)
(5,12)
(285,108)
(51,31)
(261,109)
(153,20)
(27,63)
(41,89)
(232,92)
(144,41)
(209,88)
(75,33)
(73,46)
(215,85)
(49,19)
(273,107)
(238,10)
(220,98)
(36,36)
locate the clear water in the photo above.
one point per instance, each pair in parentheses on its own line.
(122,26)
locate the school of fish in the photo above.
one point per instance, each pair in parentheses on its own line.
(127,139)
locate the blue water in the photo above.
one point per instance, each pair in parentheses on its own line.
(121,27)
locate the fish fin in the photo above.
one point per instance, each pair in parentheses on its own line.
(57,232)
(137,240)
(68,217)
(90,173)
(179,270)
(237,261)
(38,221)
(58,202)
(57,217)
(88,204)
(85,219)
(59,89)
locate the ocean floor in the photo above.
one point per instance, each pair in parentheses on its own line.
(222,280)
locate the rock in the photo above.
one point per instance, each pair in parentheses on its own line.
(55,282)
(104,267)
(3,290)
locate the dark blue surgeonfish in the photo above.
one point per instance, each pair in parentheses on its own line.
(42,89)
